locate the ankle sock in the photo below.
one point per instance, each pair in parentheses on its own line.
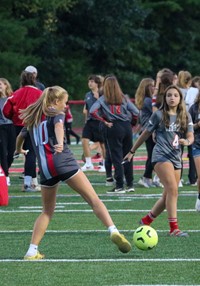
(173,223)
(32,250)
(148,219)
(112,229)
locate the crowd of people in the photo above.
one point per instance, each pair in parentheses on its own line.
(37,122)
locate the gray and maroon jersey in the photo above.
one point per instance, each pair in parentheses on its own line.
(43,139)
(145,112)
(89,101)
(195,114)
(102,111)
(167,147)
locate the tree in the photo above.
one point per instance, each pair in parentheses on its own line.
(176,23)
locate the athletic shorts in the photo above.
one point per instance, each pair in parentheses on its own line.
(195,152)
(176,167)
(92,131)
(54,181)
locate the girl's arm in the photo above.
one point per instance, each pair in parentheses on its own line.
(59,132)
(189,139)
(141,139)
(85,112)
(20,142)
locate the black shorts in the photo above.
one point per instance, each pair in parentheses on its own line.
(54,181)
(92,131)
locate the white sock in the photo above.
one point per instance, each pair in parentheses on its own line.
(35,181)
(32,250)
(27,180)
(88,161)
(112,229)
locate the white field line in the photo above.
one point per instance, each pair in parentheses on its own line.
(118,197)
(86,211)
(85,231)
(106,260)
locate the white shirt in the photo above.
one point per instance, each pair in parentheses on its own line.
(191,95)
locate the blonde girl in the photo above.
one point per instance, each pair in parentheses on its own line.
(45,120)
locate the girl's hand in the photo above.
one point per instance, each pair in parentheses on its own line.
(17,152)
(58,148)
(184,142)
(108,124)
(128,156)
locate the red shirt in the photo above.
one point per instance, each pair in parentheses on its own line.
(20,99)
(68,115)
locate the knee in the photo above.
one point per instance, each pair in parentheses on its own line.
(48,213)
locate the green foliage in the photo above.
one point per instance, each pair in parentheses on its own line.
(69,39)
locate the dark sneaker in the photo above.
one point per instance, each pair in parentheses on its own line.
(109,182)
(178,233)
(117,191)
(29,189)
(21,176)
(130,189)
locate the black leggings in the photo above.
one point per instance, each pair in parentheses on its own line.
(7,146)
(30,158)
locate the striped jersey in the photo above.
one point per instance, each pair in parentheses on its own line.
(43,138)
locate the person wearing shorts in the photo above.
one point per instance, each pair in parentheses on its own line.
(173,127)
(44,121)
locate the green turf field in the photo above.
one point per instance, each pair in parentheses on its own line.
(77,247)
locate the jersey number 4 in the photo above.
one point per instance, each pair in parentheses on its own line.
(175,142)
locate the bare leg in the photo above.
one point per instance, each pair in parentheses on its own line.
(103,149)
(81,185)
(170,179)
(86,147)
(42,222)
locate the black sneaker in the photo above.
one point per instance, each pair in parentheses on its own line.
(21,176)
(110,182)
(130,189)
(117,191)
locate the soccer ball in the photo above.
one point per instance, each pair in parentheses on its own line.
(145,237)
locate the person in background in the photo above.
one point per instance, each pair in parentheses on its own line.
(22,98)
(91,129)
(34,71)
(45,122)
(195,114)
(7,131)
(190,93)
(173,127)
(143,100)
(196,82)
(165,77)
(68,126)
(113,108)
